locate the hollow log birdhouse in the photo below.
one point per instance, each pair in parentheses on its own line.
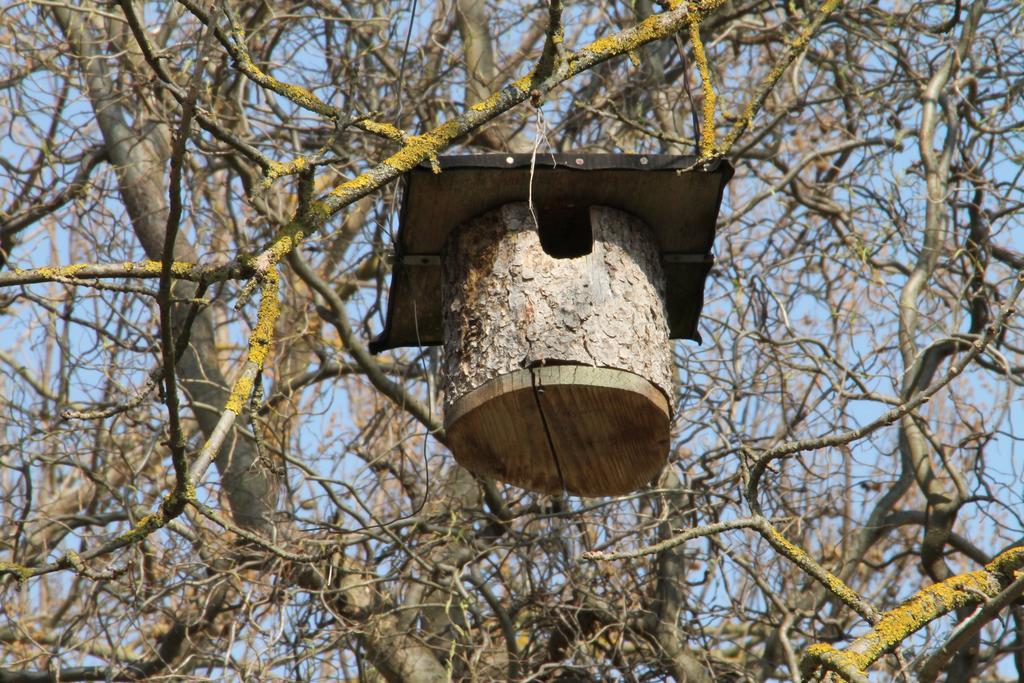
(554,288)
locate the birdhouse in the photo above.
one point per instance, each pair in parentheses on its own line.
(554,285)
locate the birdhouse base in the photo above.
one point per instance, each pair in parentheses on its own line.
(585,430)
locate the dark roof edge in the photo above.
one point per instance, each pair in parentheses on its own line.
(581,162)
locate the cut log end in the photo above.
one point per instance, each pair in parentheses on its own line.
(586,431)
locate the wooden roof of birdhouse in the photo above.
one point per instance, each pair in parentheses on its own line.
(674,195)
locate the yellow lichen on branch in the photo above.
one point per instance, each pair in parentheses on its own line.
(421,147)
(240,393)
(173,504)
(142,528)
(384,130)
(263,334)
(299,95)
(60,272)
(260,342)
(927,605)
(22,572)
(179,269)
(279,169)
(833,583)
(417,149)
(285,241)
(780,543)
(521,85)
(83,272)
(708,148)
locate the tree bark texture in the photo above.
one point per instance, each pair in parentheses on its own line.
(512,312)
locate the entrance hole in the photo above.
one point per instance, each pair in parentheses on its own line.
(565,230)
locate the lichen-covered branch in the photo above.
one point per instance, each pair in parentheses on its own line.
(938,662)
(553,55)
(260,342)
(802,559)
(924,607)
(708,148)
(84,272)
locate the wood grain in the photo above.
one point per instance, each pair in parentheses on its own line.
(588,431)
